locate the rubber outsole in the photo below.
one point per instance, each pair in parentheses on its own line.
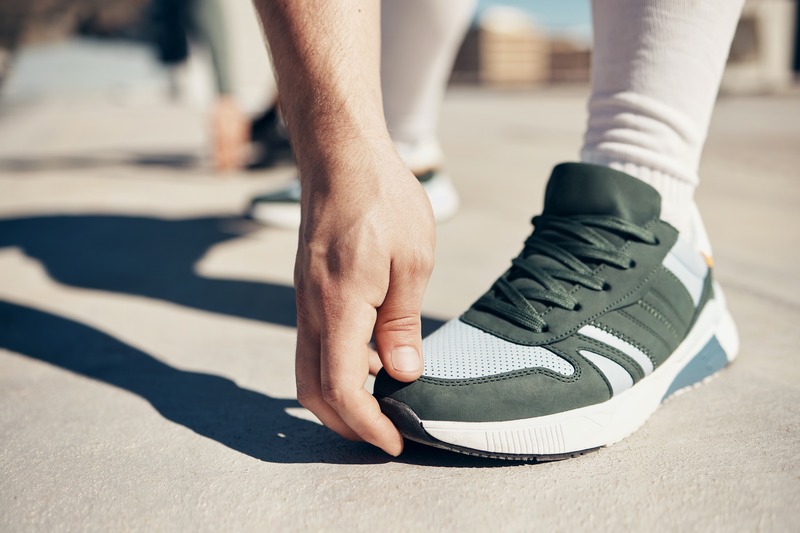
(411,428)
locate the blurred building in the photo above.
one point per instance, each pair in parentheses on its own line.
(506,48)
(512,50)
(32,21)
(35,21)
(763,54)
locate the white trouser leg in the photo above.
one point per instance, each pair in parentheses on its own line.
(420,39)
(254,86)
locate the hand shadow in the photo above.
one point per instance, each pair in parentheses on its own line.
(152,257)
(155,258)
(99,159)
(212,406)
(148,257)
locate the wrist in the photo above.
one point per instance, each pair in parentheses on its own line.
(345,156)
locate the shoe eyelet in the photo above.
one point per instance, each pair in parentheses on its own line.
(577,307)
(545,329)
(606,287)
(632,264)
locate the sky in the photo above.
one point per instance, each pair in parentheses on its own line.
(572,17)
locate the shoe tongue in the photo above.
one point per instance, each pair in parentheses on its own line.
(584,189)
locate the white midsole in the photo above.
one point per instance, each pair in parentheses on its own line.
(278,215)
(600,424)
(443,197)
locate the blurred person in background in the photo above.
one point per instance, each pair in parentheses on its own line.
(610,307)
(246,129)
(13,22)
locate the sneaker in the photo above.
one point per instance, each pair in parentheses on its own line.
(605,313)
(282,208)
(269,141)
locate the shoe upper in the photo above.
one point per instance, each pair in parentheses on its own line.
(601,294)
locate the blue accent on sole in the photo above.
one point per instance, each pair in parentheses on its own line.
(709,360)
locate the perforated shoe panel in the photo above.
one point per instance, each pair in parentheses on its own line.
(460,351)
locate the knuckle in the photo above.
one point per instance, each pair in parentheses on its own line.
(304,310)
(333,395)
(307,401)
(307,396)
(316,283)
(419,264)
(311,402)
(407,322)
(299,277)
(426,260)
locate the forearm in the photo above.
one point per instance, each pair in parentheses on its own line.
(327,60)
(366,236)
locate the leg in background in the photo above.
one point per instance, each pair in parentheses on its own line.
(419,39)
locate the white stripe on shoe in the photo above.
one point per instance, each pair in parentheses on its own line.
(625,347)
(688,265)
(618,378)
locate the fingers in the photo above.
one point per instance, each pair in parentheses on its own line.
(398,329)
(309,386)
(344,355)
(357,275)
(330,382)
(375,364)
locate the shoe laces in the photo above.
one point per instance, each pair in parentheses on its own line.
(562,249)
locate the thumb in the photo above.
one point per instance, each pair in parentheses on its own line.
(398,329)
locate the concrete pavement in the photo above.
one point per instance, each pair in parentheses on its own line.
(146,336)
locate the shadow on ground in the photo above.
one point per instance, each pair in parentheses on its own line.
(152,257)
(149,257)
(155,258)
(95,160)
(214,407)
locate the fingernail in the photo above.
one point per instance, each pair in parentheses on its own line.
(406,359)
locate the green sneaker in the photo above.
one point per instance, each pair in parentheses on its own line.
(605,313)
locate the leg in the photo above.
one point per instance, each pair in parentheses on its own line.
(656,69)
(419,40)
(610,307)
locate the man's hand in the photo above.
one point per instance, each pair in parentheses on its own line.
(363,262)
(366,237)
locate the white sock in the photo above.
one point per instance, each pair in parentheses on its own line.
(656,69)
(420,39)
